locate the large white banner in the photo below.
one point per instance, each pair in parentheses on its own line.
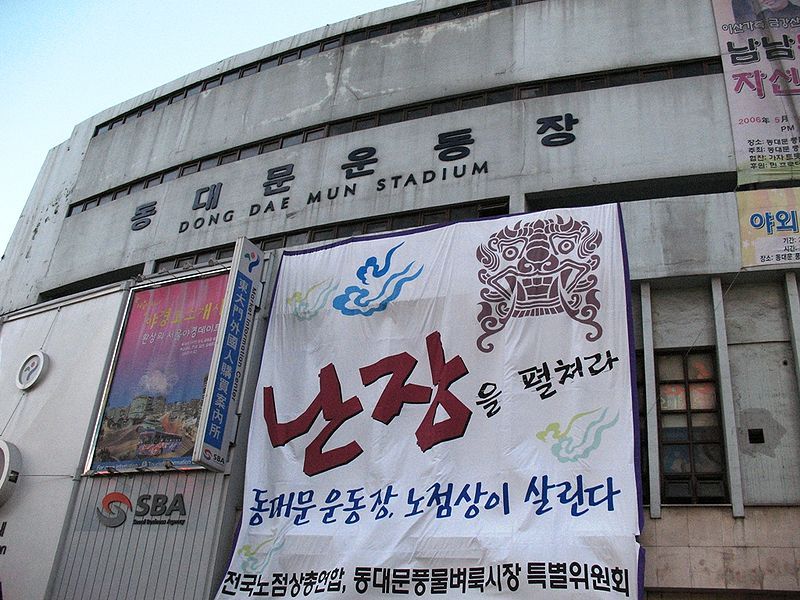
(447,412)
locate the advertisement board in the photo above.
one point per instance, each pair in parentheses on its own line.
(768,227)
(447,411)
(244,287)
(759,47)
(160,373)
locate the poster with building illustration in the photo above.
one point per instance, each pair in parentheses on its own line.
(758,42)
(159,377)
(447,412)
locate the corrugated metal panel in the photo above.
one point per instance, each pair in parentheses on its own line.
(137,560)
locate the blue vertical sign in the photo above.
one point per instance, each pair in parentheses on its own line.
(222,393)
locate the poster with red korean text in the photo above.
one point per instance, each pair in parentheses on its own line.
(759,45)
(447,412)
(155,395)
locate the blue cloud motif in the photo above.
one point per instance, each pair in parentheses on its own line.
(379,288)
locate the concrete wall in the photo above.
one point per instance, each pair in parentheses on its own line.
(50,424)
(610,146)
(531,42)
(705,548)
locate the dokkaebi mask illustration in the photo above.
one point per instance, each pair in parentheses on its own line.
(539,268)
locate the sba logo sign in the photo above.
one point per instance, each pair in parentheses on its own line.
(113,510)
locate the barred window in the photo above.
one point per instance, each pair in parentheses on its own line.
(689,429)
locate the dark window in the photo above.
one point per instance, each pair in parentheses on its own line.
(564,86)
(393,116)
(445,106)
(170,175)
(348,229)
(321,235)
(209,163)
(655,74)
(430,218)
(315,134)
(177,96)
(500,96)
(121,193)
(194,89)
(270,146)
(228,77)
(427,19)
(403,25)
(473,102)
(212,83)
(224,253)
(153,181)
(310,51)
(593,83)
(331,44)
(418,112)
(531,91)
(251,70)
(248,152)
(229,157)
(355,36)
(376,226)
(690,434)
(272,243)
(161,103)
(291,56)
(452,13)
(405,221)
(365,123)
(270,62)
(292,140)
(105,199)
(340,128)
(378,31)
(625,78)
(296,239)
(137,187)
(692,69)
(189,169)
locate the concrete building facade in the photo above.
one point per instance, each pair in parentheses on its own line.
(427,112)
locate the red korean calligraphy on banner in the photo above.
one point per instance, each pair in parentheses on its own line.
(761,63)
(447,411)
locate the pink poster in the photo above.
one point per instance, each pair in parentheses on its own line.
(759,46)
(160,374)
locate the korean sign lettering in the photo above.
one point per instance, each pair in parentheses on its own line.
(759,50)
(768,226)
(229,354)
(395,397)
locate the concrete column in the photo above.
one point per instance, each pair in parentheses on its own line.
(516,204)
(726,400)
(793,309)
(650,399)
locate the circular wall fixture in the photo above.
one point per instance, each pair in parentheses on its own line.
(10,466)
(32,370)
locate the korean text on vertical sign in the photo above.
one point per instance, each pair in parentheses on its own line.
(447,411)
(761,66)
(222,393)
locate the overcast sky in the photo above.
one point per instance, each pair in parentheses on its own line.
(62,61)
